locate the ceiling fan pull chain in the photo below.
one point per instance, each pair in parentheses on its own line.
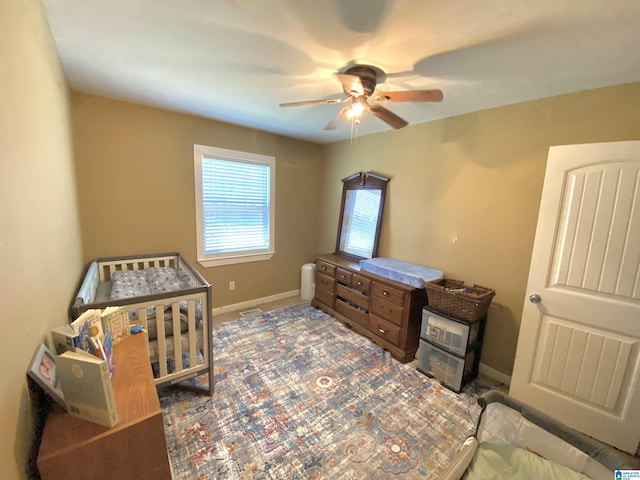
(355,122)
(351,136)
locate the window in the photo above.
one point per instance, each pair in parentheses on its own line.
(235,194)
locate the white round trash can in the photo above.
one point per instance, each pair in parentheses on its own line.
(308,281)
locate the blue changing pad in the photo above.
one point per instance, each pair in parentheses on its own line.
(400,271)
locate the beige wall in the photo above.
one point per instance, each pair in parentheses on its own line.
(40,254)
(465,191)
(136,190)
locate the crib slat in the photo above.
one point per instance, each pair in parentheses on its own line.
(177,336)
(191,320)
(142,319)
(102,272)
(162,344)
(205,330)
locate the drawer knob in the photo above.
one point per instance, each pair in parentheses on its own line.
(359,283)
(385,293)
(342,276)
(324,267)
(381,330)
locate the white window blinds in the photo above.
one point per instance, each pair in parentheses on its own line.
(235,205)
(362,223)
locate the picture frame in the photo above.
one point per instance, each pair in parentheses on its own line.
(42,370)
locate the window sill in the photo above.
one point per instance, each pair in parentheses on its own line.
(216,262)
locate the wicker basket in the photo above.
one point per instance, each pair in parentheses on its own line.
(454,298)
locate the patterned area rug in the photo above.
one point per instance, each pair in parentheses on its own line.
(298,396)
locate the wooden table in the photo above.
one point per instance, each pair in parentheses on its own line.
(135,448)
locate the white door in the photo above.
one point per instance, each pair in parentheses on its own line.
(578,356)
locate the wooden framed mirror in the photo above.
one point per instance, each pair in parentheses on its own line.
(363,195)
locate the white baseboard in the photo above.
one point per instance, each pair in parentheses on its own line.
(254,302)
(495,374)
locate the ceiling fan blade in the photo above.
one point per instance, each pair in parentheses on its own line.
(388,116)
(313,102)
(351,84)
(335,121)
(410,96)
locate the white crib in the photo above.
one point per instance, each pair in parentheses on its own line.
(174,358)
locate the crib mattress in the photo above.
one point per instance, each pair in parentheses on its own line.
(403,272)
(136,283)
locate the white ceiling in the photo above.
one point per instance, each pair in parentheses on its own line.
(236,60)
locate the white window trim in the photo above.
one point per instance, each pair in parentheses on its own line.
(205,260)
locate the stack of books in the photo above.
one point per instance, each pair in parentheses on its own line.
(78,376)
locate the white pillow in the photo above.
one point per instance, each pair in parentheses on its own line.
(506,462)
(533,438)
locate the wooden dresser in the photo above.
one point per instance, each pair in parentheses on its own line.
(385,311)
(135,448)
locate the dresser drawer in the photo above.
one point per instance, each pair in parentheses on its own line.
(326,268)
(352,296)
(390,294)
(325,297)
(343,276)
(325,282)
(361,283)
(352,313)
(386,310)
(384,329)
(445,332)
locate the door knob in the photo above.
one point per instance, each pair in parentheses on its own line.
(534,298)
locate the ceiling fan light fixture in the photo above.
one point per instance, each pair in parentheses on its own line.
(355,110)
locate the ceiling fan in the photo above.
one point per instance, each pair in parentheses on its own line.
(359,84)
